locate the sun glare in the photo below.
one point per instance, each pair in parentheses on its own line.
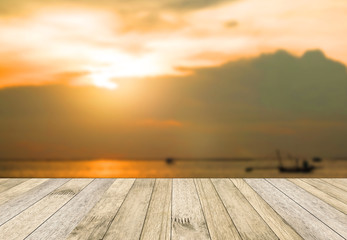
(103,80)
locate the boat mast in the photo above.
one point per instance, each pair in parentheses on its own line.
(279,157)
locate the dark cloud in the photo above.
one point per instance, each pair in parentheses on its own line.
(274,100)
(309,85)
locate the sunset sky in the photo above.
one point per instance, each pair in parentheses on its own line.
(199,78)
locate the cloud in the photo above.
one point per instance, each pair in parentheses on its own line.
(271,86)
(115,40)
(279,100)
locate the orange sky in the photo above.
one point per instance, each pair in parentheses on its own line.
(98,44)
(165,78)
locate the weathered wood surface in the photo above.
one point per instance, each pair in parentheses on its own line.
(158,220)
(335,219)
(321,194)
(95,223)
(333,191)
(340,183)
(16,205)
(306,224)
(218,220)
(24,223)
(66,218)
(173,209)
(280,227)
(247,220)
(188,221)
(9,183)
(20,189)
(130,218)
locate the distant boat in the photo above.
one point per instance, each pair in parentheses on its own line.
(316,159)
(305,168)
(169,160)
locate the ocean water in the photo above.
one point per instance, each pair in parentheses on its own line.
(113,168)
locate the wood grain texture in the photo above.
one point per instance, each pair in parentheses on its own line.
(173,209)
(95,223)
(337,182)
(280,227)
(188,221)
(20,189)
(16,205)
(322,195)
(158,220)
(333,191)
(308,226)
(66,218)
(24,223)
(218,220)
(131,216)
(11,182)
(3,180)
(247,221)
(320,209)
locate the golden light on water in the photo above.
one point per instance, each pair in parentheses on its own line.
(158,168)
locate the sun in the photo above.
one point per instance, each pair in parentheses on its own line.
(104,66)
(103,80)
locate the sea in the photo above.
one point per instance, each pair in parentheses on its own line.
(160,168)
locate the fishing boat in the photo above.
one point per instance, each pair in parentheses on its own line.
(296,168)
(304,168)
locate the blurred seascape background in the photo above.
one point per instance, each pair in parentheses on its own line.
(206,88)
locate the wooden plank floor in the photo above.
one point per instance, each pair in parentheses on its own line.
(220,208)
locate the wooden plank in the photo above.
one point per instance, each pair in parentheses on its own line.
(340,183)
(16,205)
(3,180)
(24,223)
(307,225)
(20,189)
(11,182)
(247,221)
(95,223)
(322,195)
(66,218)
(158,220)
(188,221)
(218,220)
(333,191)
(280,227)
(131,216)
(335,219)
